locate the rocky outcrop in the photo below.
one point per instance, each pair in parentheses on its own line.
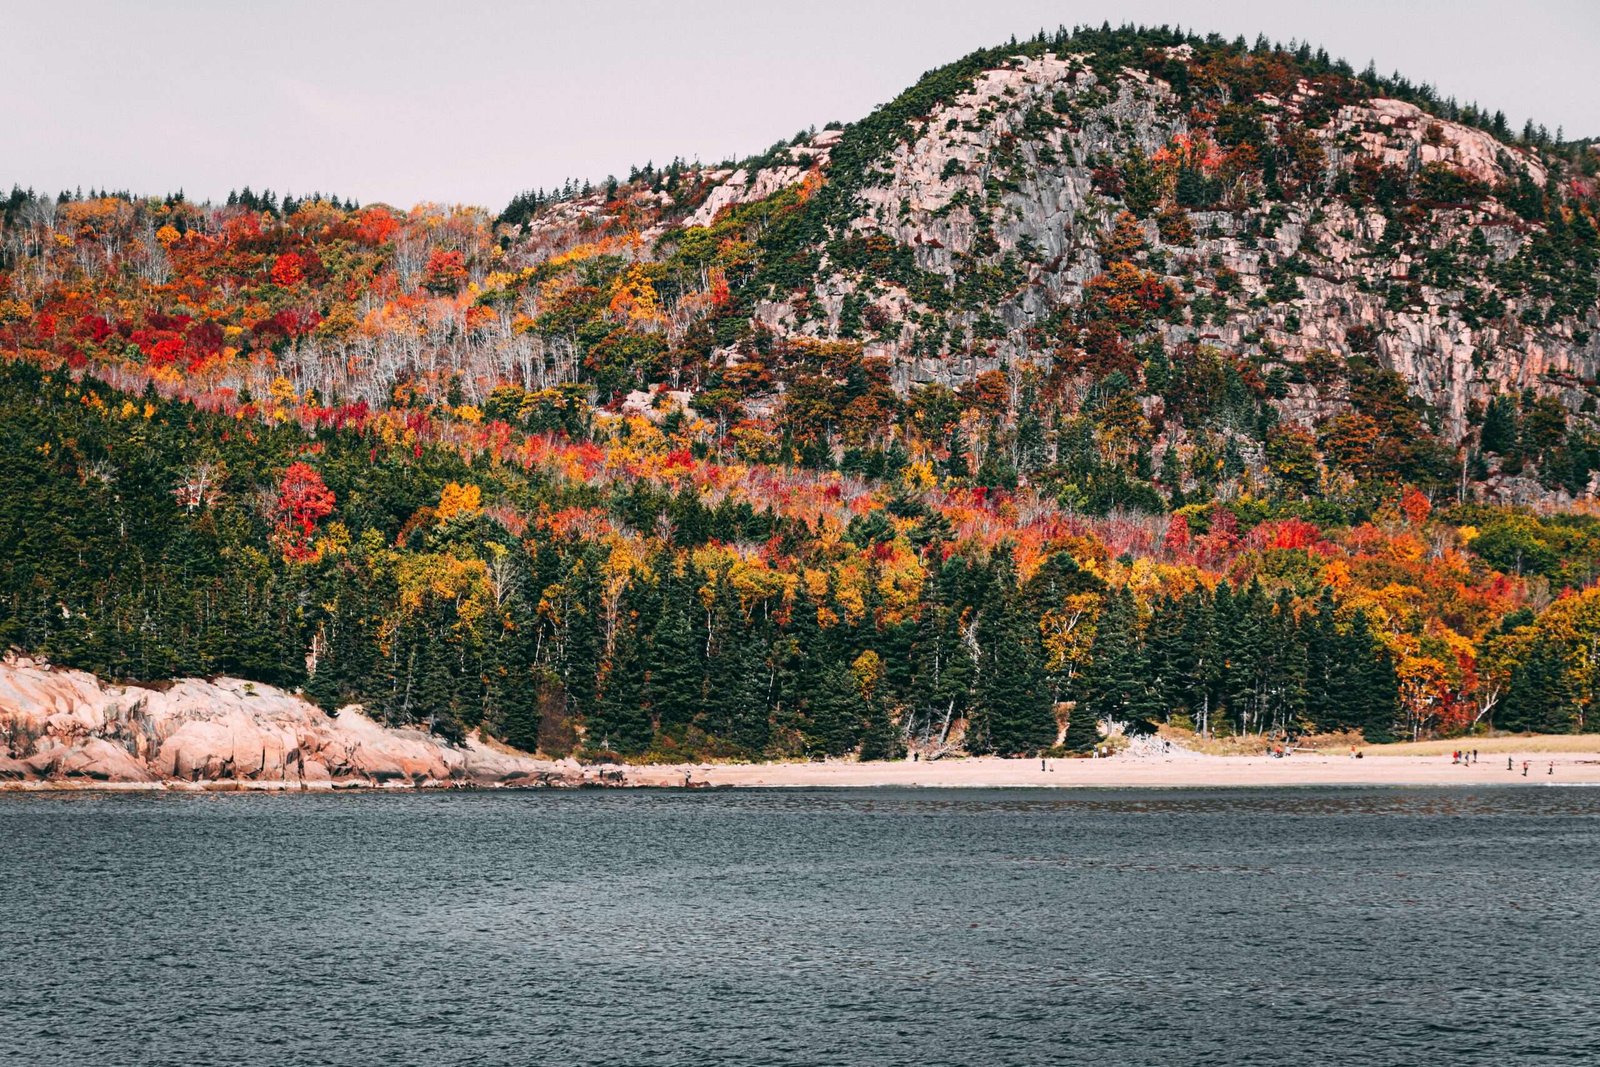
(1010,161)
(998,197)
(64,727)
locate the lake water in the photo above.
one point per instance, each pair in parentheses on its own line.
(808,927)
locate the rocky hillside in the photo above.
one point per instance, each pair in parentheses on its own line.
(1057,212)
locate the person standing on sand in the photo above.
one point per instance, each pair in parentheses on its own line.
(1552,769)
(1508,763)
(1525,767)
(1474,755)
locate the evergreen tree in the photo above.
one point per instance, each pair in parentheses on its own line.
(1199,672)
(1373,693)
(515,686)
(1015,711)
(836,712)
(1116,684)
(1540,698)
(802,654)
(736,698)
(1324,676)
(1287,683)
(676,686)
(879,739)
(621,722)
(434,699)
(942,667)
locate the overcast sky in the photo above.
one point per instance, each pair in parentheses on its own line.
(472,100)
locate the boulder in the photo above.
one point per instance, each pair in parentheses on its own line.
(92,758)
(63,725)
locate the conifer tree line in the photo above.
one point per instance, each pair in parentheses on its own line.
(421,606)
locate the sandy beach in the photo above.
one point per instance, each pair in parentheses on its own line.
(1185,770)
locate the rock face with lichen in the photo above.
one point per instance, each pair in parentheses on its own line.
(999,185)
(1064,210)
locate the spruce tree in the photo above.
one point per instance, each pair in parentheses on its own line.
(621,722)
(676,683)
(1323,672)
(515,687)
(1373,692)
(434,694)
(879,739)
(1540,697)
(1116,684)
(1015,712)
(736,697)
(835,712)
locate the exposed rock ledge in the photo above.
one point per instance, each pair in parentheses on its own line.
(63,728)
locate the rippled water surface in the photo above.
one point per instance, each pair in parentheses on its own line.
(859,927)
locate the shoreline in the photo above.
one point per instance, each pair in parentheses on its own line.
(1185,770)
(1178,771)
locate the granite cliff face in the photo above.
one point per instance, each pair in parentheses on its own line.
(63,727)
(1298,216)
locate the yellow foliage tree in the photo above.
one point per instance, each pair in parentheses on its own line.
(456,499)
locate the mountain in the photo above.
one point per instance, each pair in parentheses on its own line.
(1172,210)
(1112,375)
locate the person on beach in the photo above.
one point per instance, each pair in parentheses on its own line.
(1474,755)
(1552,769)
(1525,767)
(1508,763)
(1041,765)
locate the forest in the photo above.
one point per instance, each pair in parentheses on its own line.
(634,600)
(555,474)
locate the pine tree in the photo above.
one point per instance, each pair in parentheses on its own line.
(1199,661)
(1373,692)
(1500,431)
(801,654)
(578,636)
(879,739)
(676,680)
(736,697)
(434,694)
(1248,652)
(515,687)
(1117,683)
(1015,711)
(1323,674)
(620,722)
(1287,684)
(1540,698)
(835,712)
(1165,653)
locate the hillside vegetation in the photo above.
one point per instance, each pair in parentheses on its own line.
(1116,374)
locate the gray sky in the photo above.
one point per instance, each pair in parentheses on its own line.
(472,100)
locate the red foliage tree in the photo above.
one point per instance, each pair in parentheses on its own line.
(304,500)
(288,269)
(1177,538)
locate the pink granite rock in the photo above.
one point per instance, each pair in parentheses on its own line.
(62,725)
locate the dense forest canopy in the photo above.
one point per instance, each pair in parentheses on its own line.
(859,444)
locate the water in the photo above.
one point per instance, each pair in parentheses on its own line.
(861,927)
